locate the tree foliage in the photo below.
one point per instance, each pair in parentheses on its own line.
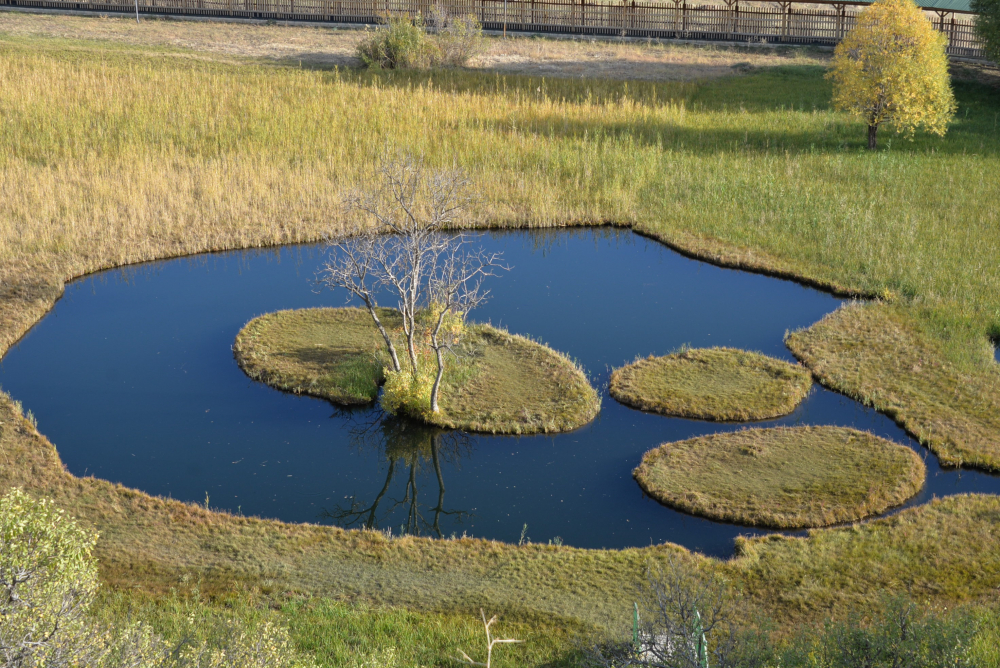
(48,580)
(892,68)
(988,26)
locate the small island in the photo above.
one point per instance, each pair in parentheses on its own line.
(499,382)
(782,478)
(722,384)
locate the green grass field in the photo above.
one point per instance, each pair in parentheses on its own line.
(115,154)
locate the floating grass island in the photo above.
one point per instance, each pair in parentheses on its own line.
(501,383)
(783,478)
(712,384)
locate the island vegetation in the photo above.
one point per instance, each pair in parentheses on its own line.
(783,477)
(712,384)
(876,354)
(327,353)
(203,150)
(501,383)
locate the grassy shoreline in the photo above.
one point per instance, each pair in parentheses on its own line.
(751,172)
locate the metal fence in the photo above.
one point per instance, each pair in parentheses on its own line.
(780,22)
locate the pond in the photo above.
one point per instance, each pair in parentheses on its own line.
(132,377)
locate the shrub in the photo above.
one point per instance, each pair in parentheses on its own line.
(404,43)
(401,44)
(988,26)
(48,582)
(893,632)
(264,645)
(458,38)
(408,394)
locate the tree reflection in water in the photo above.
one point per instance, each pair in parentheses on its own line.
(406,445)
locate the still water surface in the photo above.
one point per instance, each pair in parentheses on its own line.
(132,376)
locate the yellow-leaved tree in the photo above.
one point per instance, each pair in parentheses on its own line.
(892,68)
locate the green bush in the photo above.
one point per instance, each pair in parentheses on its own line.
(48,584)
(401,44)
(48,580)
(988,26)
(404,43)
(408,394)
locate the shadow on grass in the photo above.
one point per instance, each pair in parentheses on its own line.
(791,90)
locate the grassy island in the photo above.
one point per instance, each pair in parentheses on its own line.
(785,478)
(712,384)
(874,353)
(502,383)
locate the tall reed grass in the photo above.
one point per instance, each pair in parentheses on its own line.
(109,157)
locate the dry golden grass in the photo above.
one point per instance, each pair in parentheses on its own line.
(712,384)
(878,355)
(785,477)
(656,61)
(943,552)
(513,385)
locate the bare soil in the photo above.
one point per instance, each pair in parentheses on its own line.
(320,46)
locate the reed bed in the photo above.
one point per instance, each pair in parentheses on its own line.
(114,157)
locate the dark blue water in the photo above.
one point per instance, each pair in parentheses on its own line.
(132,377)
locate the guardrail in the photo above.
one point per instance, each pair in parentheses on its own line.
(781,23)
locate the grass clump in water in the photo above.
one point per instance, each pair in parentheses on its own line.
(712,384)
(881,357)
(501,383)
(787,477)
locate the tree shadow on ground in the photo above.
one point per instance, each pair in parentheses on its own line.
(746,99)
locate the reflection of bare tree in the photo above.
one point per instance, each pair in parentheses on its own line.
(410,445)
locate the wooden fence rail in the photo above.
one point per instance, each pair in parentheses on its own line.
(781,22)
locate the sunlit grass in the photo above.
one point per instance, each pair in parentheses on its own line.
(108,158)
(712,384)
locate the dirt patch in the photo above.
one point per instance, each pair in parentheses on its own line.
(649,61)
(321,46)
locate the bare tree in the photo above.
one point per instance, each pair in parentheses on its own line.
(411,205)
(491,642)
(456,287)
(354,266)
(689,624)
(399,243)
